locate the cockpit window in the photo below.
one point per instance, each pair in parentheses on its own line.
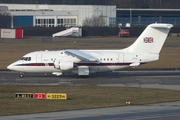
(29,58)
(26,58)
(22,58)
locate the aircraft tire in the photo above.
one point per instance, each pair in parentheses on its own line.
(21,75)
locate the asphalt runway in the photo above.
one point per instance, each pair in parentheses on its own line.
(161,111)
(162,79)
(165,79)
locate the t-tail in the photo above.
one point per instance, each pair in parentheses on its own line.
(151,40)
(149,44)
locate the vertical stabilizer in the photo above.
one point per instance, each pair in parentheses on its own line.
(151,39)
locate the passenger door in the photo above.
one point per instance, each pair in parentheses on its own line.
(38,58)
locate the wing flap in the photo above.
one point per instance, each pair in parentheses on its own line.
(81,55)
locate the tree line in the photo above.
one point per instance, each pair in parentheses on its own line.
(166,4)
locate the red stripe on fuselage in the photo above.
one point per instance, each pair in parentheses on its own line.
(31,64)
(79,64)
(103,64)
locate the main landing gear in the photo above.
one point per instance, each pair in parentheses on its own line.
(21,75)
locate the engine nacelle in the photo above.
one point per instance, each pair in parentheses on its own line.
(63,65)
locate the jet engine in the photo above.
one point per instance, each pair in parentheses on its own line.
(63,65)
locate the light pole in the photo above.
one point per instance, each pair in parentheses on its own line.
(160,3)
(130,16)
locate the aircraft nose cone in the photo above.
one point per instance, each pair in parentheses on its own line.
(10,67)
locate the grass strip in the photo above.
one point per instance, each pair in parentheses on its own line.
(79,97)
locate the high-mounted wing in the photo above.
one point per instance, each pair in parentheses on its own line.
(81,55)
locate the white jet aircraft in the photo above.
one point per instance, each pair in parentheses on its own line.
(84,62)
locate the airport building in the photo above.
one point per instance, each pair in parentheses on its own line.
(24,15)
(147,16)
(57,15)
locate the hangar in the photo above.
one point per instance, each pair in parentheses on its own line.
(46,15)
(147,16)
(57,15)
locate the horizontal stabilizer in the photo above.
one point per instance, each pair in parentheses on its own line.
(165,26)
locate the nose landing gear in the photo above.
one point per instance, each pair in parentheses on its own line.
(21,75)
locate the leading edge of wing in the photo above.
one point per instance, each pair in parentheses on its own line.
(81,55)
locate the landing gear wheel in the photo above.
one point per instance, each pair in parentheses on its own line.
(21,75)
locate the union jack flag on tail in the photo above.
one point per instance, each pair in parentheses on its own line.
(148,40)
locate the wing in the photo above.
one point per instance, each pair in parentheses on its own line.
(81,55)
